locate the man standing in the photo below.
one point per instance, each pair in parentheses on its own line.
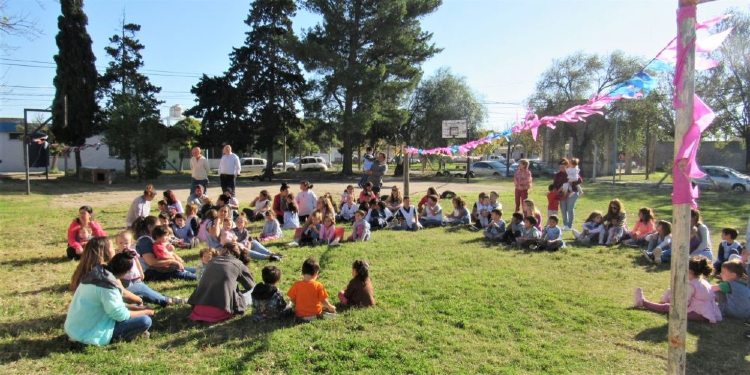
(376,173)
(229,168)
(199,170)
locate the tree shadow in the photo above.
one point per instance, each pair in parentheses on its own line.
(720,348)
(35,326)
(32,261)
(55,289)
(37,348)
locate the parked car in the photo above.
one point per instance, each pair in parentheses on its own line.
(488,168)
(462,159)
(252,165)
(312,163)
(285,166)
(719,177)
(537,168)
(499,158)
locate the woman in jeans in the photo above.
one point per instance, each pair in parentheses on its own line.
(567,205)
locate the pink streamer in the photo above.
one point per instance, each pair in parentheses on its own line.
(682,14)
(685,166)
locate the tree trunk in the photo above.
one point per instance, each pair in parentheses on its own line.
(128,167)
(53,163)
(268,173)
(78,162)
(628,163)
(347,149)
(747,149)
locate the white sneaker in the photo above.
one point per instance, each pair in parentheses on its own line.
(576,234)
(657,255)
(335,242)
(292,244)
(638,297)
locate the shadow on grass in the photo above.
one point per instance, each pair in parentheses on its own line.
(32,261)
(37,348)
(648,266)
(35,326)
(723,340)
(56,289)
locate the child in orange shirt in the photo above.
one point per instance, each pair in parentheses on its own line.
(309,296)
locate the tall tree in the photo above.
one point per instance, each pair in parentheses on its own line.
(76,79)
(443,96)
(131,117)
(184,136)
(367,54)
(730,82)
(268,75)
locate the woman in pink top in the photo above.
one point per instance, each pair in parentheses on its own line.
(522,180)
(645,225)
(83,221)
(701,303)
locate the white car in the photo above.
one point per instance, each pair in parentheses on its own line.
(312,163)
(252,165)
(285,166)
(725,178)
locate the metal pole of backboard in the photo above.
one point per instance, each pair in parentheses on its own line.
(26,150)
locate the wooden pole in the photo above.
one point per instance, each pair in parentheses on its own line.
(681,212)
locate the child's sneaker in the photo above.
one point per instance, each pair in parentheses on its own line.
(576,234)
(334,243)
(657,255)
(292,244)
(648,256)
(274,258)
(638,297)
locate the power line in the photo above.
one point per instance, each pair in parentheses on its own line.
(155,72)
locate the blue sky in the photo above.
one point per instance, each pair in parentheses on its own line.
(500,46)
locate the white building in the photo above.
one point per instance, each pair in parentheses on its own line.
(11,151)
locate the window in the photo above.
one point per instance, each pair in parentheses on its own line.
(258,162)
(15,136)
(247,162)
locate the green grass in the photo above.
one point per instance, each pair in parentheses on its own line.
(447,303)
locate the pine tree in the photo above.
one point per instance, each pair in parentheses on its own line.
(131,117)
(267,73)
(368,53)
(76,79)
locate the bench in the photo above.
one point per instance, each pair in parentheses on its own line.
(98,175)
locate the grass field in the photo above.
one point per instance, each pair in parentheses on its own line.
(447,303)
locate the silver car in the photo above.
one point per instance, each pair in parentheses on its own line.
(723,178)
(488,168)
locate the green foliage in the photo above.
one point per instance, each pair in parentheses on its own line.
(367,55)
(76,78)
(185,133)
(443,96)
(728,91)
(224,116)
(131,116)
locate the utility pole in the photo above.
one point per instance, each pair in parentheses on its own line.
(681,212)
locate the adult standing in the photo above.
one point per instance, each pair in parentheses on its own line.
(378,169)
(567,204)
(229,168)
(155,269)
(280,203)
(141,206)
(199,170)
(81,229)
(217,298)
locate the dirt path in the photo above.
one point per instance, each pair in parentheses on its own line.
(103,196)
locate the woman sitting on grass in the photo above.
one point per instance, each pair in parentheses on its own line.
(82,229)
(97,314)
(217,297)
(614,224)
(154,269)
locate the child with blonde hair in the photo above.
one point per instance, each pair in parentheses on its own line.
(271,228)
